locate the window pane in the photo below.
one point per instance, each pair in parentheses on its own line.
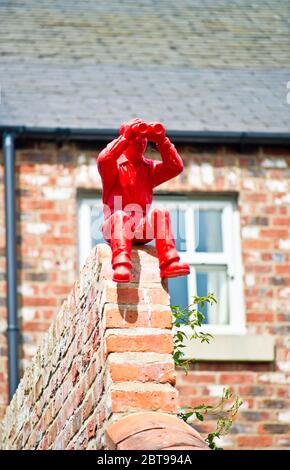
(213,280)
(96,225)
(178,291)
(208,230)
(178,228)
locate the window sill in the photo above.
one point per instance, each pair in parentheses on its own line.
(234,348)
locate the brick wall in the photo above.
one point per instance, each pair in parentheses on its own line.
(96,364)
(48,179)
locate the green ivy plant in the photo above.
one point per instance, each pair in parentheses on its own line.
(226,409)
(225,417)
(191,317)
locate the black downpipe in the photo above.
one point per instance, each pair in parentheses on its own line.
(11,269)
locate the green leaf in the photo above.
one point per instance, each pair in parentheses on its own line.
(186,416)
(200,317)
(199,416)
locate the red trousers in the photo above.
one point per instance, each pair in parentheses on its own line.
(122,229)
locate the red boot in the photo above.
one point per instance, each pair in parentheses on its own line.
(122,273)
(121,245)
(175,269)
(169,261)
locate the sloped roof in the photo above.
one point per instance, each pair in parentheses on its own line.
(216,65)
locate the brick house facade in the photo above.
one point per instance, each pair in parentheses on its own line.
(215,73)
(52,178)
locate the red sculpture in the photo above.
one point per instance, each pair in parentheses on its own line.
(128,180)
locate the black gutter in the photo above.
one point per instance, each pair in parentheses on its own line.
(214,137)
(11,264)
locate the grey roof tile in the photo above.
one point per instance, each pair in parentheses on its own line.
(196,65)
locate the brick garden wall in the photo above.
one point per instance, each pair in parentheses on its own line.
(48,178)
(107,353)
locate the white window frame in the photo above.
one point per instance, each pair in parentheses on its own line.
(230,257)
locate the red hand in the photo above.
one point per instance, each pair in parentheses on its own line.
(156,132)
(132,128)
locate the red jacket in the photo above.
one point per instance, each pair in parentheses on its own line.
(135,183)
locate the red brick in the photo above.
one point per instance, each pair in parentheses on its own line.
(91,427)
(255,442)
(143,372)
(134,295)
(273,428)
(260,317)
(39,302)
(257,244)
(255,390)
(35,326)
(60,290)
(276,151)
(52,217)
(124,401)
(75,372)
(283,269)
(91,372)
(132,318)
(194,378)
(235,378)
(189,390)
(281,221)
(48,240)
(190,400)
(270,233)
(161,343)
(87,406)
(255,197)
(34,205)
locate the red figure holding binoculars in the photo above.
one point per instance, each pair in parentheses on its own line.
(128,180)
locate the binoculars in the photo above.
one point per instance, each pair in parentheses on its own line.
(143,128)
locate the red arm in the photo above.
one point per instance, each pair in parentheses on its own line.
(107,159)
(171,164)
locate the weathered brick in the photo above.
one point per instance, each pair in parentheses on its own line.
(255,416)
(274,428)
(136,295)
(91,427)
(142,367)
(273,404)
(260,317)
(254,442)
(277,233)
(153,341)
(122,317)
(281,221)
(129,397)
(283,269)
(255,391)
(235,378)
(87,406)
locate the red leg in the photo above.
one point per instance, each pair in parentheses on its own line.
(117,232)
(169,263)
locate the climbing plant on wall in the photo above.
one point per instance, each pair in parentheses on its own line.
(187,323)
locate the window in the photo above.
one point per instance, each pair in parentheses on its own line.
(207,237)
